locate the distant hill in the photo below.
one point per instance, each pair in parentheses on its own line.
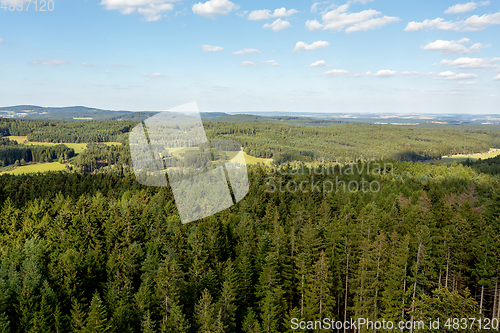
(297,121)
(318,119)
(81,113)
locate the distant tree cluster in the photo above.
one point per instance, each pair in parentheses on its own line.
(11,154)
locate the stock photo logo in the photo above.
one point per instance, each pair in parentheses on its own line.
(205,177)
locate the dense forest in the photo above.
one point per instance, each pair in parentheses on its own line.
(91,250)
(101,253)
(284,143)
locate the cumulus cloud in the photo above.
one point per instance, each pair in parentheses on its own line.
(212,8)
(339,19)
(453,47)
(372,24)
(50,62)
(336,72)
(448,75)
(497,77)
(150,9)
(211,48)
(265,14)
(270,62)
(319,63)
(465,7)
(313,25)
(245,51)
(282,12)
(473,63)
(248,64)
(383,73)
(301,46)
(473,23)
(154,75)
(277,25)
(467,82)
(410,73)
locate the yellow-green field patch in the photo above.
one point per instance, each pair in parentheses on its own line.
(474,157)
(78,147)
(39,167)
(254,160)
(19,139)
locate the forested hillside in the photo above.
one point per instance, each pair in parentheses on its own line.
(283,143)
(101,253)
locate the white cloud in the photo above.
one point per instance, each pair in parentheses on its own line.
(473,63)
(265,14)
(319,63)
(465,7)
(87,64)
(448,75)
(473,23)
(476,23)
(364,2)
(212,8)
(150,9)
(301,46)
(339,19)
(336,72)
(245,51)
(154,75)
(1,41)
(313,25)
(453,47)
(248,64)
(372,24)
(383,73)
(211,48)
(50,62)
(314,7)
(497,77)
(270,62)
(437,23)
(467,82)
(261,14)
(277,25)
(282,12)
(410,73)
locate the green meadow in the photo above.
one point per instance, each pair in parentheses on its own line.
(38,167)
(474,157)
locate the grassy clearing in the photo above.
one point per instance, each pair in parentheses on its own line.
(34,168)
(474,157)
(254,160)
(78,147)
(19,139)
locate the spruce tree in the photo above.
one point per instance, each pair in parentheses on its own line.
(97,319)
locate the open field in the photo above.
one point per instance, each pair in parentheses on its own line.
(474,157)
(254,160)
(38,167)
(78,147)
(19,139)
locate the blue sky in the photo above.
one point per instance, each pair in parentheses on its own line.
(333,56)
